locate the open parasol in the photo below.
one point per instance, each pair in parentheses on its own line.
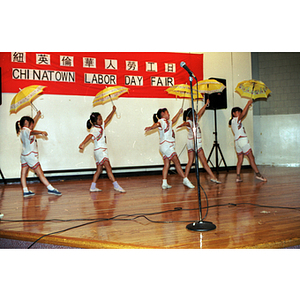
(109,94)
(209,86)
(183,91)
(25,97)
(253,89)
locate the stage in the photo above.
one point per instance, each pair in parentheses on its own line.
(251,214)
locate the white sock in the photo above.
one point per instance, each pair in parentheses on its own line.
(25,190)
(93,185)
(165,181)
(50,187)
(115,183)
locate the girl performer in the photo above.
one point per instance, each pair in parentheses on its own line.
(167,144)
(97,134)
(29,155)
(242,145)
(188,122)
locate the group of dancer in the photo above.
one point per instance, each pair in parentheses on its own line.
(29,155)
(167,142)
(96,126)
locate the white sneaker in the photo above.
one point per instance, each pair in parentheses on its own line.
(215,181)
(119,189)
(187,183)
(166,186)
(1,216)
(95,190)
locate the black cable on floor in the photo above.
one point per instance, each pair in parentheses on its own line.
(136,216)
(153,213)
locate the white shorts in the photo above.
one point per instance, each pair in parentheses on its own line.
(242,146)
(190,145)
(167,149)
(30,160)
(101,156)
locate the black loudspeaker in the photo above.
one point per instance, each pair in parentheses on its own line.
(217,100)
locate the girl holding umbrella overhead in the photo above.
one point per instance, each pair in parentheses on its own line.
(97,134)
(242,145)
(167,144)
(29,155)
(188,122)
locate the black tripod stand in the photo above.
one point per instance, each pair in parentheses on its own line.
(2,177)
(217,148)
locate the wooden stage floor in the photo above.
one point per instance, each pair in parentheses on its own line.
(251,214)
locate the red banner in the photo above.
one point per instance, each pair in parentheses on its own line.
(146,74)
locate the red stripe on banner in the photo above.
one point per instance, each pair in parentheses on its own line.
(146,74)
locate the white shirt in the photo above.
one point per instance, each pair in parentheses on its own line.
(190,128)
(98,133)
(166,133)
(238,128)
(29,141)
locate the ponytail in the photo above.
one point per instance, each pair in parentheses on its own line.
(89,124)
(155,118)
(18,128)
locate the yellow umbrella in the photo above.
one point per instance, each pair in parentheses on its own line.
(183,91)
(209,86)
(253,89)
(25,97)
(110,93)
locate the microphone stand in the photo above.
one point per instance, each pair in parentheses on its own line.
(200,225)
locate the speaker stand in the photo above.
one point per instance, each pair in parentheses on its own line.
(217,148)
(4,180)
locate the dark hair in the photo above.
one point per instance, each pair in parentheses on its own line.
(234,109)
(20,124)
(92,120)
(187,113)
(157,116)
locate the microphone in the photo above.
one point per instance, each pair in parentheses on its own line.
(183,65)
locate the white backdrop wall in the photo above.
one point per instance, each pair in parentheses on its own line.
(277,140)
(276,122)
(128,146)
